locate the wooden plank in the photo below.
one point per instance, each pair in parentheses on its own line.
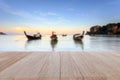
(8,59)
(69,69)
(60,66)
(51,68)
(87,69)
(29,67)
(106,65)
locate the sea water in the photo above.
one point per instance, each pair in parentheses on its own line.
(66,43)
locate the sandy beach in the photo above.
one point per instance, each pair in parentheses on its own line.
(60,65)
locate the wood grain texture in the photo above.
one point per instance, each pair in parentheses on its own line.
(60,66)
(7,59)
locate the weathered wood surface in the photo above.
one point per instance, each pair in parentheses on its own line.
(60,66)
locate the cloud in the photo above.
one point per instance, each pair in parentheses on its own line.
(42,17)
(48,14)
(5,7)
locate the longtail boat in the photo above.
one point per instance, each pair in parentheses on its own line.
(53,37)
(36,36)
(78,36)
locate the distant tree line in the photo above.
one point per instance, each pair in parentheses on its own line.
(109,29)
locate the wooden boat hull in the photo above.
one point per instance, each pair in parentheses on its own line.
(53,37)
(29,37)
(78,37)
(64,35)
(32,38)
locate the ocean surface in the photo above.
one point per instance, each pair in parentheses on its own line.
(89,43)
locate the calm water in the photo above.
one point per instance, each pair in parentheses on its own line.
(94,43)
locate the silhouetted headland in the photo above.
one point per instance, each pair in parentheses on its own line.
(109,29)
(1,33)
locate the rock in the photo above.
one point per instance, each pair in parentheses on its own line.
(109,29)
(1,33)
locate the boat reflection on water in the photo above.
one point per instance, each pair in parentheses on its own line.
(29,43)
(53,44)
(79,43)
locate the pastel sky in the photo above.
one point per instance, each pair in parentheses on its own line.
(61,16)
